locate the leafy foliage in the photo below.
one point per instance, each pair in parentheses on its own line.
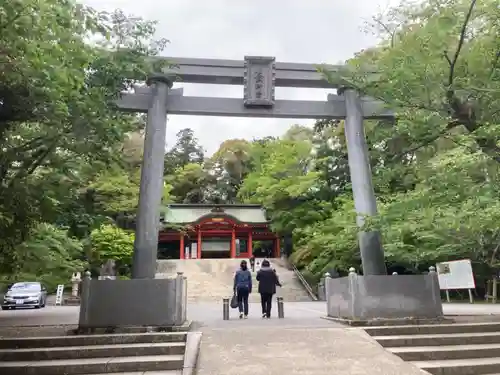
(186,151)
(283,179)
(111,242)
(49,256)
(63,66)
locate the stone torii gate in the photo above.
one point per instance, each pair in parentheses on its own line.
(259,76)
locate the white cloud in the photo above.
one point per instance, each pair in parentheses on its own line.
(312,31)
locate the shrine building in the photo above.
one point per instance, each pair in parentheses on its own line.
(195,231)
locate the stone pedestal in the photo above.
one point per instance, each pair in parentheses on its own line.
(133,303)
(384,297)
(72,301)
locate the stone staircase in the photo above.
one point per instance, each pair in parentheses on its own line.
(445,349)
(210,280)
(127,354)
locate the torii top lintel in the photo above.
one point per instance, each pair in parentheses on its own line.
(232,72)
(259,76)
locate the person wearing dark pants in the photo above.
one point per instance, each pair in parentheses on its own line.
(266,300)
(243,287)
(242,295)
(268,280)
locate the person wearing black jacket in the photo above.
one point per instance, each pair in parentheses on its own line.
(268,279)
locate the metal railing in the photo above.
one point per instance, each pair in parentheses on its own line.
(304,283)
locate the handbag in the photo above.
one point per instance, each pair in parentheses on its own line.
(234,302)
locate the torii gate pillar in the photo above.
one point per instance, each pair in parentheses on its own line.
(151,187)
(372,253)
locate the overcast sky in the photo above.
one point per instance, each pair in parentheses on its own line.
(309,31)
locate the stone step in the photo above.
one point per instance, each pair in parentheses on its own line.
(432,329)
(82,340)
(93,365)
(211,280)
(433,353)
(478,366)
(439,339)
(92,351)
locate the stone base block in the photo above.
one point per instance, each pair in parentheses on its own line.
(119,304)
(185,327)
(389,322)
(384,297)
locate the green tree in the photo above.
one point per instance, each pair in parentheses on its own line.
(189,184)
(115,192)
(438,66)
(186,150)
(112,243)
(283,181)
(229,166)
(298,133)
(49,255)
(57,120)
(435,170)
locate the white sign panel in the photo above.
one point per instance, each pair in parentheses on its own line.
(59,294)
(456,275)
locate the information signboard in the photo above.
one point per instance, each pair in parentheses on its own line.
(456,274)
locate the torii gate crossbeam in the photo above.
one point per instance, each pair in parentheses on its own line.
(231,72)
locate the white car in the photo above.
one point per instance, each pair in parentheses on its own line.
(25,294)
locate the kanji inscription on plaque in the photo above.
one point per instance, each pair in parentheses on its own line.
(260,74)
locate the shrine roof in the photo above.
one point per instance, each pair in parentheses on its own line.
(191,213)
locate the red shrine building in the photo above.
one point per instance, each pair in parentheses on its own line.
(195,231)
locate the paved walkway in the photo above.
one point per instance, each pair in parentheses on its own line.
(261,347)
(302,343)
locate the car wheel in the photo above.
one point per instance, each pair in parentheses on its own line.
(5,308)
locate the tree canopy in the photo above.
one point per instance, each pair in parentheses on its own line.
(63,66)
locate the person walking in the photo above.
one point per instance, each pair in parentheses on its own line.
(252,263)
(268,279)
(242,288)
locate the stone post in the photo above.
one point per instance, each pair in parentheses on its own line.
(84,300)
(436,290)
(179,299)
(372,254)
(353,289)
(225,309)
(327,279)
(281,308)
(151,187)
